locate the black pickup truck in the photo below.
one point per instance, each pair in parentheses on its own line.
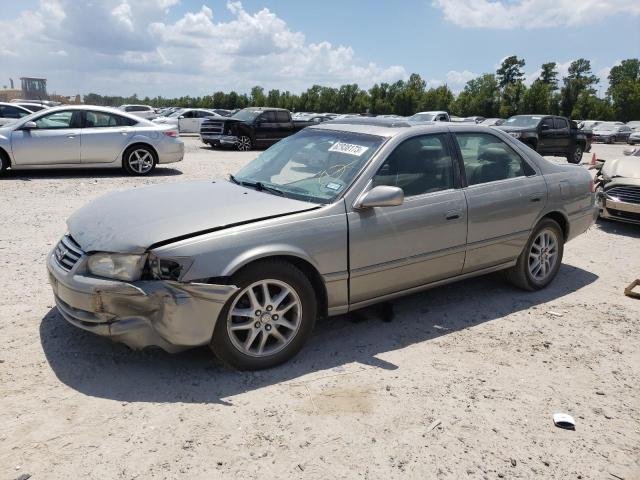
(250,127)
(549,135)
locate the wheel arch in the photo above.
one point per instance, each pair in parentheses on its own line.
(293,257)
(561,219)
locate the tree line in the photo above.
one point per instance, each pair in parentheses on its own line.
(500,94)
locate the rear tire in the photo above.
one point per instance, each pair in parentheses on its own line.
(266,330)
(575,156)
(4,161)
(139,160)
(541,257)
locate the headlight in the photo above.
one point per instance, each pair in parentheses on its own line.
(515,134)
(116,265)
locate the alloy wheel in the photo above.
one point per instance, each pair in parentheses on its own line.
(264,318)
(244,144)
(543,255)
(141,161)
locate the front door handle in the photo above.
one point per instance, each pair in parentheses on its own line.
(71,136)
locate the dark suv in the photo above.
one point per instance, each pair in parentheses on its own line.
(549,135)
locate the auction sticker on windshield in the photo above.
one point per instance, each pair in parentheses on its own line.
(348,148)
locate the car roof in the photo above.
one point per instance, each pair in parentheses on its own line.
(94,108)
(266,108)
(389,127)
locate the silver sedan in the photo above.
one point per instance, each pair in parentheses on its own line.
(87,136)
(334,218)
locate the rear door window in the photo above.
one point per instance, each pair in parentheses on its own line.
(560,123)
(282,117)
(487,158)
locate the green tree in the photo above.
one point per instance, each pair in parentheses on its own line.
(510,72)
(481,96)
(624,90)
(578,80)
(549,75)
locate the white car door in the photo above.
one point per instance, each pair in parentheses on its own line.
(54,141)
(188,123)
(104,136)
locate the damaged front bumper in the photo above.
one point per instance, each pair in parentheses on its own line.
(163,313)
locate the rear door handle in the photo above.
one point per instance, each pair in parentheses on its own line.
(453,215)
(536,197)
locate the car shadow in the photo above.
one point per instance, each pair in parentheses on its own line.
(50,174)
(614,227)
(97,367)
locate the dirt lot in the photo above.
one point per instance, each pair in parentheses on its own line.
(461,384)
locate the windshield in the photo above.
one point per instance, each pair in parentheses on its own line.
(421,117)
(606,127)
(522,121)
(176,114)
(246,115)
(313,165)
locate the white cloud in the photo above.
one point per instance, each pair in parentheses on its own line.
(501,14)
(130,46)
(459,79)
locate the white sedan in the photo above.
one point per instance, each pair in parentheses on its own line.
(187,120)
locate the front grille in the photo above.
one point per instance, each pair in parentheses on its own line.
(628,216)
(212,127)
(626,193)
(67,252)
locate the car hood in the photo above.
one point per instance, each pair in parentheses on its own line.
(603,132)
(131,221)
(628,167)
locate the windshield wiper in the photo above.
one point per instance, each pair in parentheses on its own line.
(259,186)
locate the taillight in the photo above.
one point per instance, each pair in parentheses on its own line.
(171,133)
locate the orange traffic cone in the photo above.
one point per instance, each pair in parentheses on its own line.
(593,160)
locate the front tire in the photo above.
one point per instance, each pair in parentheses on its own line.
(244,143)
(269,320)
(139,160)
(541,257)
(575,156)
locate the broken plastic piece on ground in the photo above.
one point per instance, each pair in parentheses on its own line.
(629,290)
(564,420)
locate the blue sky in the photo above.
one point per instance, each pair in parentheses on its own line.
(173,47)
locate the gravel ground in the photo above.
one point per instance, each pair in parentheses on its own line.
(461,384)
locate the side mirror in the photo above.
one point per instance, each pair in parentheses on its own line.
(544,127)
(29,126)
(180,117)
(381,196)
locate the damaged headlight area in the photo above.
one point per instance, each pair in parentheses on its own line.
(117,265)
(168,268)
